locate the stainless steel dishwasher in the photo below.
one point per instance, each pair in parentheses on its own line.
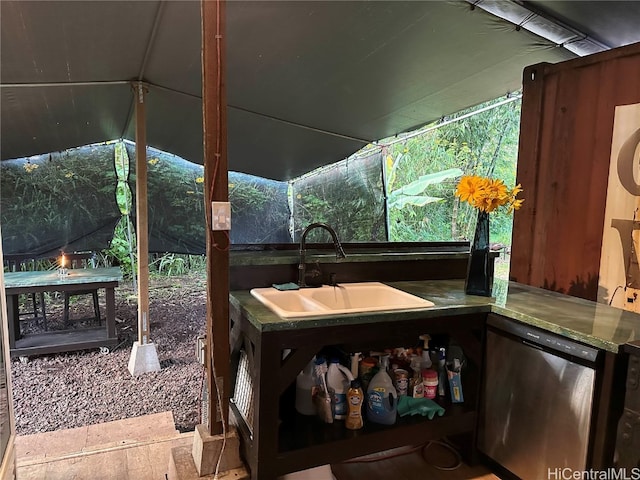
(537,400)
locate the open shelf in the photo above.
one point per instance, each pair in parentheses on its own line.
(62,341)
(308,431)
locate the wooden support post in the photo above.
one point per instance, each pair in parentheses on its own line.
(216,189)
(144,357)
(142,230)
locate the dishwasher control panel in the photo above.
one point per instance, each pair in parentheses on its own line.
(540,338)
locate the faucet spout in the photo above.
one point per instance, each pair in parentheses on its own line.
(303,242)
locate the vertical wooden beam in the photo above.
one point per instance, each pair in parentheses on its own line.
(142,229)
(214,117)
(527,229)
(7,461)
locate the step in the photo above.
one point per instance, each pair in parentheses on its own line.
(134,448)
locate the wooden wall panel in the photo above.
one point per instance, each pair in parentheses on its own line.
(563,164)
(619,282)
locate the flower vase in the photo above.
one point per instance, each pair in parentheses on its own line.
(480,268)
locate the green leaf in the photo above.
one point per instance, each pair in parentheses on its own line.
(419,185)
(418,201)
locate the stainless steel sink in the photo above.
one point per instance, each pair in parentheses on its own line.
(343,298)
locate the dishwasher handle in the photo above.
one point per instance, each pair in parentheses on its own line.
(534,345)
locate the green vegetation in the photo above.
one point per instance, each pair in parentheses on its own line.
(484,144)
(421,172)
(55,200)
(347,195)
(401,189)
(119,252)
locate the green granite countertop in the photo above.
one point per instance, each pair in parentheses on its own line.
(588,322)
(292,257)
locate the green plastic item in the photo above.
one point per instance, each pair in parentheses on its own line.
(286,286)
(419,406)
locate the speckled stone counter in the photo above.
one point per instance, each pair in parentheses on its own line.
(292,257)
(592,323)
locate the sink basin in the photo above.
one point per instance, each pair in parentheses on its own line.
(344,298)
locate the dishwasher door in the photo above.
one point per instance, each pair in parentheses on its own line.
(537,402)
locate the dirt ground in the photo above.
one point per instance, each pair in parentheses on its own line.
(74,389)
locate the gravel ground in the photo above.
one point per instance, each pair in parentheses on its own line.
(74,389)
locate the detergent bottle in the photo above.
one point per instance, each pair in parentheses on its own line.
(354,404)
(304,390)
(382,404)
(339,379)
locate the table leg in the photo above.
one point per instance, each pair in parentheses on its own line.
(111,312)
(13,320)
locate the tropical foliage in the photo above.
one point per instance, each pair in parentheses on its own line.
(484,144)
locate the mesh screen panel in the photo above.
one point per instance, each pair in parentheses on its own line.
(347,195)
(58,201)
(259,207)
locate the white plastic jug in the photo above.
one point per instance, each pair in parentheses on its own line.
(339,378)
(304,389)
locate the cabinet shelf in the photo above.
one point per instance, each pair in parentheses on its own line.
(304,433)
(277,440)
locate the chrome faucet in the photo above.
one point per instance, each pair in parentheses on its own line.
(302,267)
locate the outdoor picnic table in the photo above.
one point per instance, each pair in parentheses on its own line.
(76,280)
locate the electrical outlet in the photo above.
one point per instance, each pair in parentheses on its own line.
(201,347)
(220,216)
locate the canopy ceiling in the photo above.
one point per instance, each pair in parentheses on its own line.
(308,83)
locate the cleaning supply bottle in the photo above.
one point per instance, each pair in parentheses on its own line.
(382,404)
(339,378)
(355,398)
(304,390)
(366,370)
(355,363)
(322,394)
(426,355)
(442,371)
(430,383)
(416,387)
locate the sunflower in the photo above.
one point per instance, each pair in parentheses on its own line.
(487,194)
(469,188)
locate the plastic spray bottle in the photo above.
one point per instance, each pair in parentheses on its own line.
(382,404)
(425,363)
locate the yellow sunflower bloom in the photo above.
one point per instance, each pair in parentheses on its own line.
(468,188)
(487,194)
